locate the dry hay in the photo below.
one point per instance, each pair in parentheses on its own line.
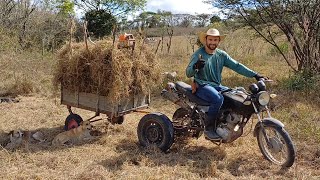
(107,71)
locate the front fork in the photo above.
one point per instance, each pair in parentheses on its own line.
(260,121)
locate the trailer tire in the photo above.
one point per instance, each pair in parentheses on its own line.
(156,129)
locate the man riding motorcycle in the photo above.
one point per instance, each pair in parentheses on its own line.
(206,66)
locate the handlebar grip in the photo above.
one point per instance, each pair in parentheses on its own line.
(265,80)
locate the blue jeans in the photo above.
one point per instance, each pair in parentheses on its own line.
(211,95)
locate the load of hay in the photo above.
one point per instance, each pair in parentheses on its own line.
(103,70)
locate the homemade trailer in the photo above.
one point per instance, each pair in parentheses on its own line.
(100,104)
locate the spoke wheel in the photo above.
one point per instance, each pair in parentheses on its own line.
(182,123)
(181,117)
(278,148)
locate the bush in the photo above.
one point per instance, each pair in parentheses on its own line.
(18,87)
(302,81)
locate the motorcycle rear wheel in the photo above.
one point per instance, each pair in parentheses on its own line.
(280,149)
(180,113)
(181,118)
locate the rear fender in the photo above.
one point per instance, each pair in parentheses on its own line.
(267,122)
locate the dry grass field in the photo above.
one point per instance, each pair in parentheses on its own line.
(116,154)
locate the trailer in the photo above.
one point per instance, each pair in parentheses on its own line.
(100,104)
(153,128)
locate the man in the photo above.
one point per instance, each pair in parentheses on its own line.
(207,75)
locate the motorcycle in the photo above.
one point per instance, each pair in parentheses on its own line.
(238,107)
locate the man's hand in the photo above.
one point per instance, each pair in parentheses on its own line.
(258,77)
(200,63)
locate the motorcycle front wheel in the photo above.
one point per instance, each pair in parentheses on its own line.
(276,145)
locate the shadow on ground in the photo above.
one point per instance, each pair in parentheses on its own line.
(199,159)
(46,145)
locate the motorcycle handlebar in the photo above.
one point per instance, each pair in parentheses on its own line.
(265,80)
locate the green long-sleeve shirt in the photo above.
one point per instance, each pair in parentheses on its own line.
(211,73)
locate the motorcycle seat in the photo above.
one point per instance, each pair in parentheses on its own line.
(187,91)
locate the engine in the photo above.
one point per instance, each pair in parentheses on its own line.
(229,128)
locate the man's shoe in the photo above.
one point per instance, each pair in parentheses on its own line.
(211,135)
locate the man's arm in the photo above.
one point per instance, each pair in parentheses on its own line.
(238,67)
(190,71)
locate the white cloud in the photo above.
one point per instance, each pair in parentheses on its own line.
(181,6)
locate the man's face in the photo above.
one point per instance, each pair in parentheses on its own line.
(212,42)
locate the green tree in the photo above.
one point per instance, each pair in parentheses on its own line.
(215,19)
(165,18)
(299,21)
(145,19)
(154,20)
(117,8)
(100,22)
(65,6)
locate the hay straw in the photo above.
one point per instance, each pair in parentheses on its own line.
(114,73)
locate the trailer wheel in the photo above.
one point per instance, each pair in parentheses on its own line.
(72,121)
(156,129)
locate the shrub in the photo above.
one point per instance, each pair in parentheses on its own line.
(302,81)
(19,87)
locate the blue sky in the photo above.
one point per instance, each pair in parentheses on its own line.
(180,6)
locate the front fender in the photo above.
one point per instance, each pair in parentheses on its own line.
(267,122)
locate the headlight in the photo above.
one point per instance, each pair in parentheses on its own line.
(263,98)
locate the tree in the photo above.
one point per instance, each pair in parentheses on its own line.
(65,6)
(117,8)
(165,18)
(100,22)
(34,23)
(184,20)
(154,21)
(170,34)
(215,19)
(147,19)
(202,19)
(299,21)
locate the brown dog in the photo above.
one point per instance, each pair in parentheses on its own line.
(79,132)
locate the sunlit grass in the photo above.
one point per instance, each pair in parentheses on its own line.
(117,154)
